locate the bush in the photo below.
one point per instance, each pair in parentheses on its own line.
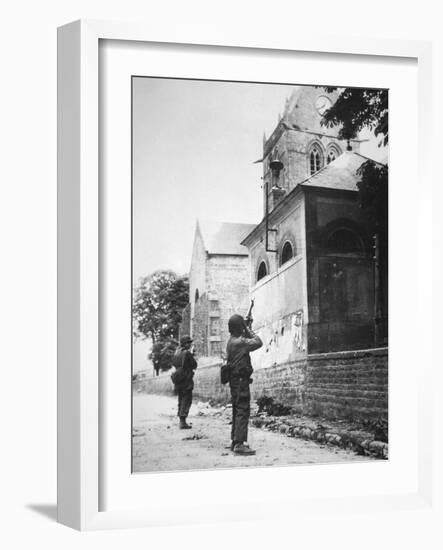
(271,407)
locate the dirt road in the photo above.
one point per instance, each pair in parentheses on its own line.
(158,444)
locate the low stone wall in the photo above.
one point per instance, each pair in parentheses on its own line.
(333,385)
(159,385)
(285,383)
(207,386)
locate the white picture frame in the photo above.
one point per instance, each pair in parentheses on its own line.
(79,268)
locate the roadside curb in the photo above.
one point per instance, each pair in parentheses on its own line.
(359,441)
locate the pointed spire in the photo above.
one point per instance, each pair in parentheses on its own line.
(287,104)
(286,111)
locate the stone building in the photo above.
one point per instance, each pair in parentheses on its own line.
(311,257)
(218,284)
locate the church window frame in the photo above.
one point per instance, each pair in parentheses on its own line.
(287,252)
(316,158)
(196,296)
(332,154)
(262,270)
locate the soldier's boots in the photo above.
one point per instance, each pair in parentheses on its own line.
(243,449)
(183,424)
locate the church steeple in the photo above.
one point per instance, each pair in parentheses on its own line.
(300,141)
(286,111)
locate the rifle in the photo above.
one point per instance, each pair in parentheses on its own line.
(248,318)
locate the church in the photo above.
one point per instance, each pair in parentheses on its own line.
(218,284)
(309,263)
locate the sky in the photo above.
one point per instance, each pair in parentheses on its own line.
(195,143)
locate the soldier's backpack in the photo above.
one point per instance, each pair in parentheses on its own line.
(179,376)
(226,368)
(225,373)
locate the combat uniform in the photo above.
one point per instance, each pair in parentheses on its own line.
(238,349)
(183,358)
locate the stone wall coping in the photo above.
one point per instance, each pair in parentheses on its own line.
(167,373)
(348,354)
(216,363)
(298,361)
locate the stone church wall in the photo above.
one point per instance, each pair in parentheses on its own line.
(226,292)
(227,280)
(200,325)
(296,133)
(281,311)
(341,282)
(185,325)
(197,275)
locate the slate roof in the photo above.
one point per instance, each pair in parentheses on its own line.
(224,237)
(340,173)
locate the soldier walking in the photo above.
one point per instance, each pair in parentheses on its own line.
(240,344)
(185,364)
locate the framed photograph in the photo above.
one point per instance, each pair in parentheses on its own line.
(233,218)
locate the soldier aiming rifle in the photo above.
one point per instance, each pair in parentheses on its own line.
(241,342)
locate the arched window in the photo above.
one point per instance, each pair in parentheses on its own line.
(197,295)
(287,253)
(262,271)
(344,240)
(331,156)
(315,159)
(333,153)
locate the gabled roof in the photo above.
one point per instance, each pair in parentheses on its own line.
(340,173)
(224,237)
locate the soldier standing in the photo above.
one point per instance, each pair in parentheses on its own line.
(240,344)
(185,364)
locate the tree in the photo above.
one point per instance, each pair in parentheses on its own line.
(358,108)
(162,353)
(159,300)
(373,197)
(354,110)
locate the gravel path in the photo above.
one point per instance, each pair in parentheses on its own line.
(158,444)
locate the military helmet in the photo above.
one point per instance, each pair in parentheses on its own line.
(184,340)
(236,325)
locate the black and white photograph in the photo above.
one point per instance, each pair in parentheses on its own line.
(259,274)
(222,275)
